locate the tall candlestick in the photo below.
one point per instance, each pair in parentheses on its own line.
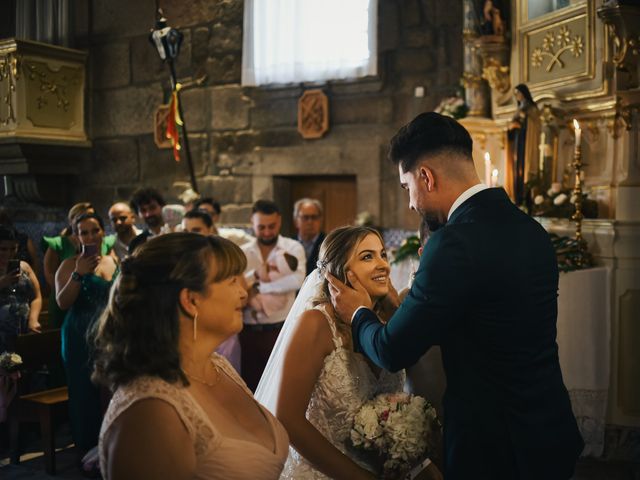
(543,140)
(494,177)
(578,132)
(487,168)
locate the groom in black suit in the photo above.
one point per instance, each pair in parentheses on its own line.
(486,292)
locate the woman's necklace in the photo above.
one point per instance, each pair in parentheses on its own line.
(202,380)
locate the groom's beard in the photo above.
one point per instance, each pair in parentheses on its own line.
(433,222)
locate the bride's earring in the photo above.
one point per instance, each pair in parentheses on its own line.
(195,326)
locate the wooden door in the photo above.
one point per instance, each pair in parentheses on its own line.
(338,195)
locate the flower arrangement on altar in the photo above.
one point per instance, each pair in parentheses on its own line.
(398,429)
(454,107)
(559,200)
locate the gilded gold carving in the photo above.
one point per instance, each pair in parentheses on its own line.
(592,133)
(51,94)
(470,80)
(52,86)
(625,42)
(9,73)
(563,41)
(497,75)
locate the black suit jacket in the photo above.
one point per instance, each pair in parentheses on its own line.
(313,258)
(139,240)
(486,292)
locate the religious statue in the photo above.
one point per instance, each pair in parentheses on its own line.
(524,130)
(491,23)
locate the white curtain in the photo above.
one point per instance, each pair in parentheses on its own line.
(288,41)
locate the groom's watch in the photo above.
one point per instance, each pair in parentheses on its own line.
(76,276)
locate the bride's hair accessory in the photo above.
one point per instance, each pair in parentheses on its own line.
(321,265)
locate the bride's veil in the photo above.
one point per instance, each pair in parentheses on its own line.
(269,387)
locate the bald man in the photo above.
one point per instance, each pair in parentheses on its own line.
(123,221)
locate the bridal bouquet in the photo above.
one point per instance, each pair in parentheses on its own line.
(398,428)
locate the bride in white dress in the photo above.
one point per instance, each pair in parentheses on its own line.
(314,382)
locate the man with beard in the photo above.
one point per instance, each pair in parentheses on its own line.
(261,328)
(147,203)
(486,292)
(123,221)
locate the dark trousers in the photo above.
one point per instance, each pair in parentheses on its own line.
(256,341)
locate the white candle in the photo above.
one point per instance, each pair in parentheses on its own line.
(494,177)
(578,132)
(487,168)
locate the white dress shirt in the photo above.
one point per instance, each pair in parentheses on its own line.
(285,286)
(466,195)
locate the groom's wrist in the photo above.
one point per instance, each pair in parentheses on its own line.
(356,311)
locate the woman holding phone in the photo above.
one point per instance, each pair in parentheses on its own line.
(82,285)
(20,299)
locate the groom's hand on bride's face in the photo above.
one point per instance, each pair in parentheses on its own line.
(347,299)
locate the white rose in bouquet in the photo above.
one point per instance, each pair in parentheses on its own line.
(560,199)
(397,427)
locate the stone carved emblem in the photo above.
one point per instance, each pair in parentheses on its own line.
(313,114)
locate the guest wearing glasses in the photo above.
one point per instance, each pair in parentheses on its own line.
(307,216)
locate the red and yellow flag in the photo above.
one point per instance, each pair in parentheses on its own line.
(173,120)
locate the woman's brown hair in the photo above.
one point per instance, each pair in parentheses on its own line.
(139,331)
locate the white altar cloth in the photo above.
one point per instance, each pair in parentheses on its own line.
(584,343)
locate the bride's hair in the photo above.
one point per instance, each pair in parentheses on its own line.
(336,251)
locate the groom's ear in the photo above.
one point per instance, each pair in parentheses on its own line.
(426,176)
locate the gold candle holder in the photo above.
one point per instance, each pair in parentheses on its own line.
(584,257)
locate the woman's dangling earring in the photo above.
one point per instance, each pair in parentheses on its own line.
(195,326)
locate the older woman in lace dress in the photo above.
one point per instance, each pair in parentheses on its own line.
(178,411)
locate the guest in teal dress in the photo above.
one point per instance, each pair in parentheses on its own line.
(59,248)
(82,285)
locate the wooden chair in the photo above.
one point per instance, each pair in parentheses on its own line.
(44,407)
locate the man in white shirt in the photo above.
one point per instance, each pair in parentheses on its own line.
(261,329)
(123,221)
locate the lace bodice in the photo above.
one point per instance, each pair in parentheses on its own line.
(217,456)
(345,383)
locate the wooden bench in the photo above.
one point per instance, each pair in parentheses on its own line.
(44,407)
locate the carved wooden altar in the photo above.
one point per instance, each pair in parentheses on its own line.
(580,59)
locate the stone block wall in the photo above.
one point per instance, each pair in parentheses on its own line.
(242,137)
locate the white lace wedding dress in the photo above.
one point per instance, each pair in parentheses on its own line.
(345,383)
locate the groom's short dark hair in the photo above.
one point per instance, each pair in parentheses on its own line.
(429,134)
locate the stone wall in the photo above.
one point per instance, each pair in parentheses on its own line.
(241,137)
